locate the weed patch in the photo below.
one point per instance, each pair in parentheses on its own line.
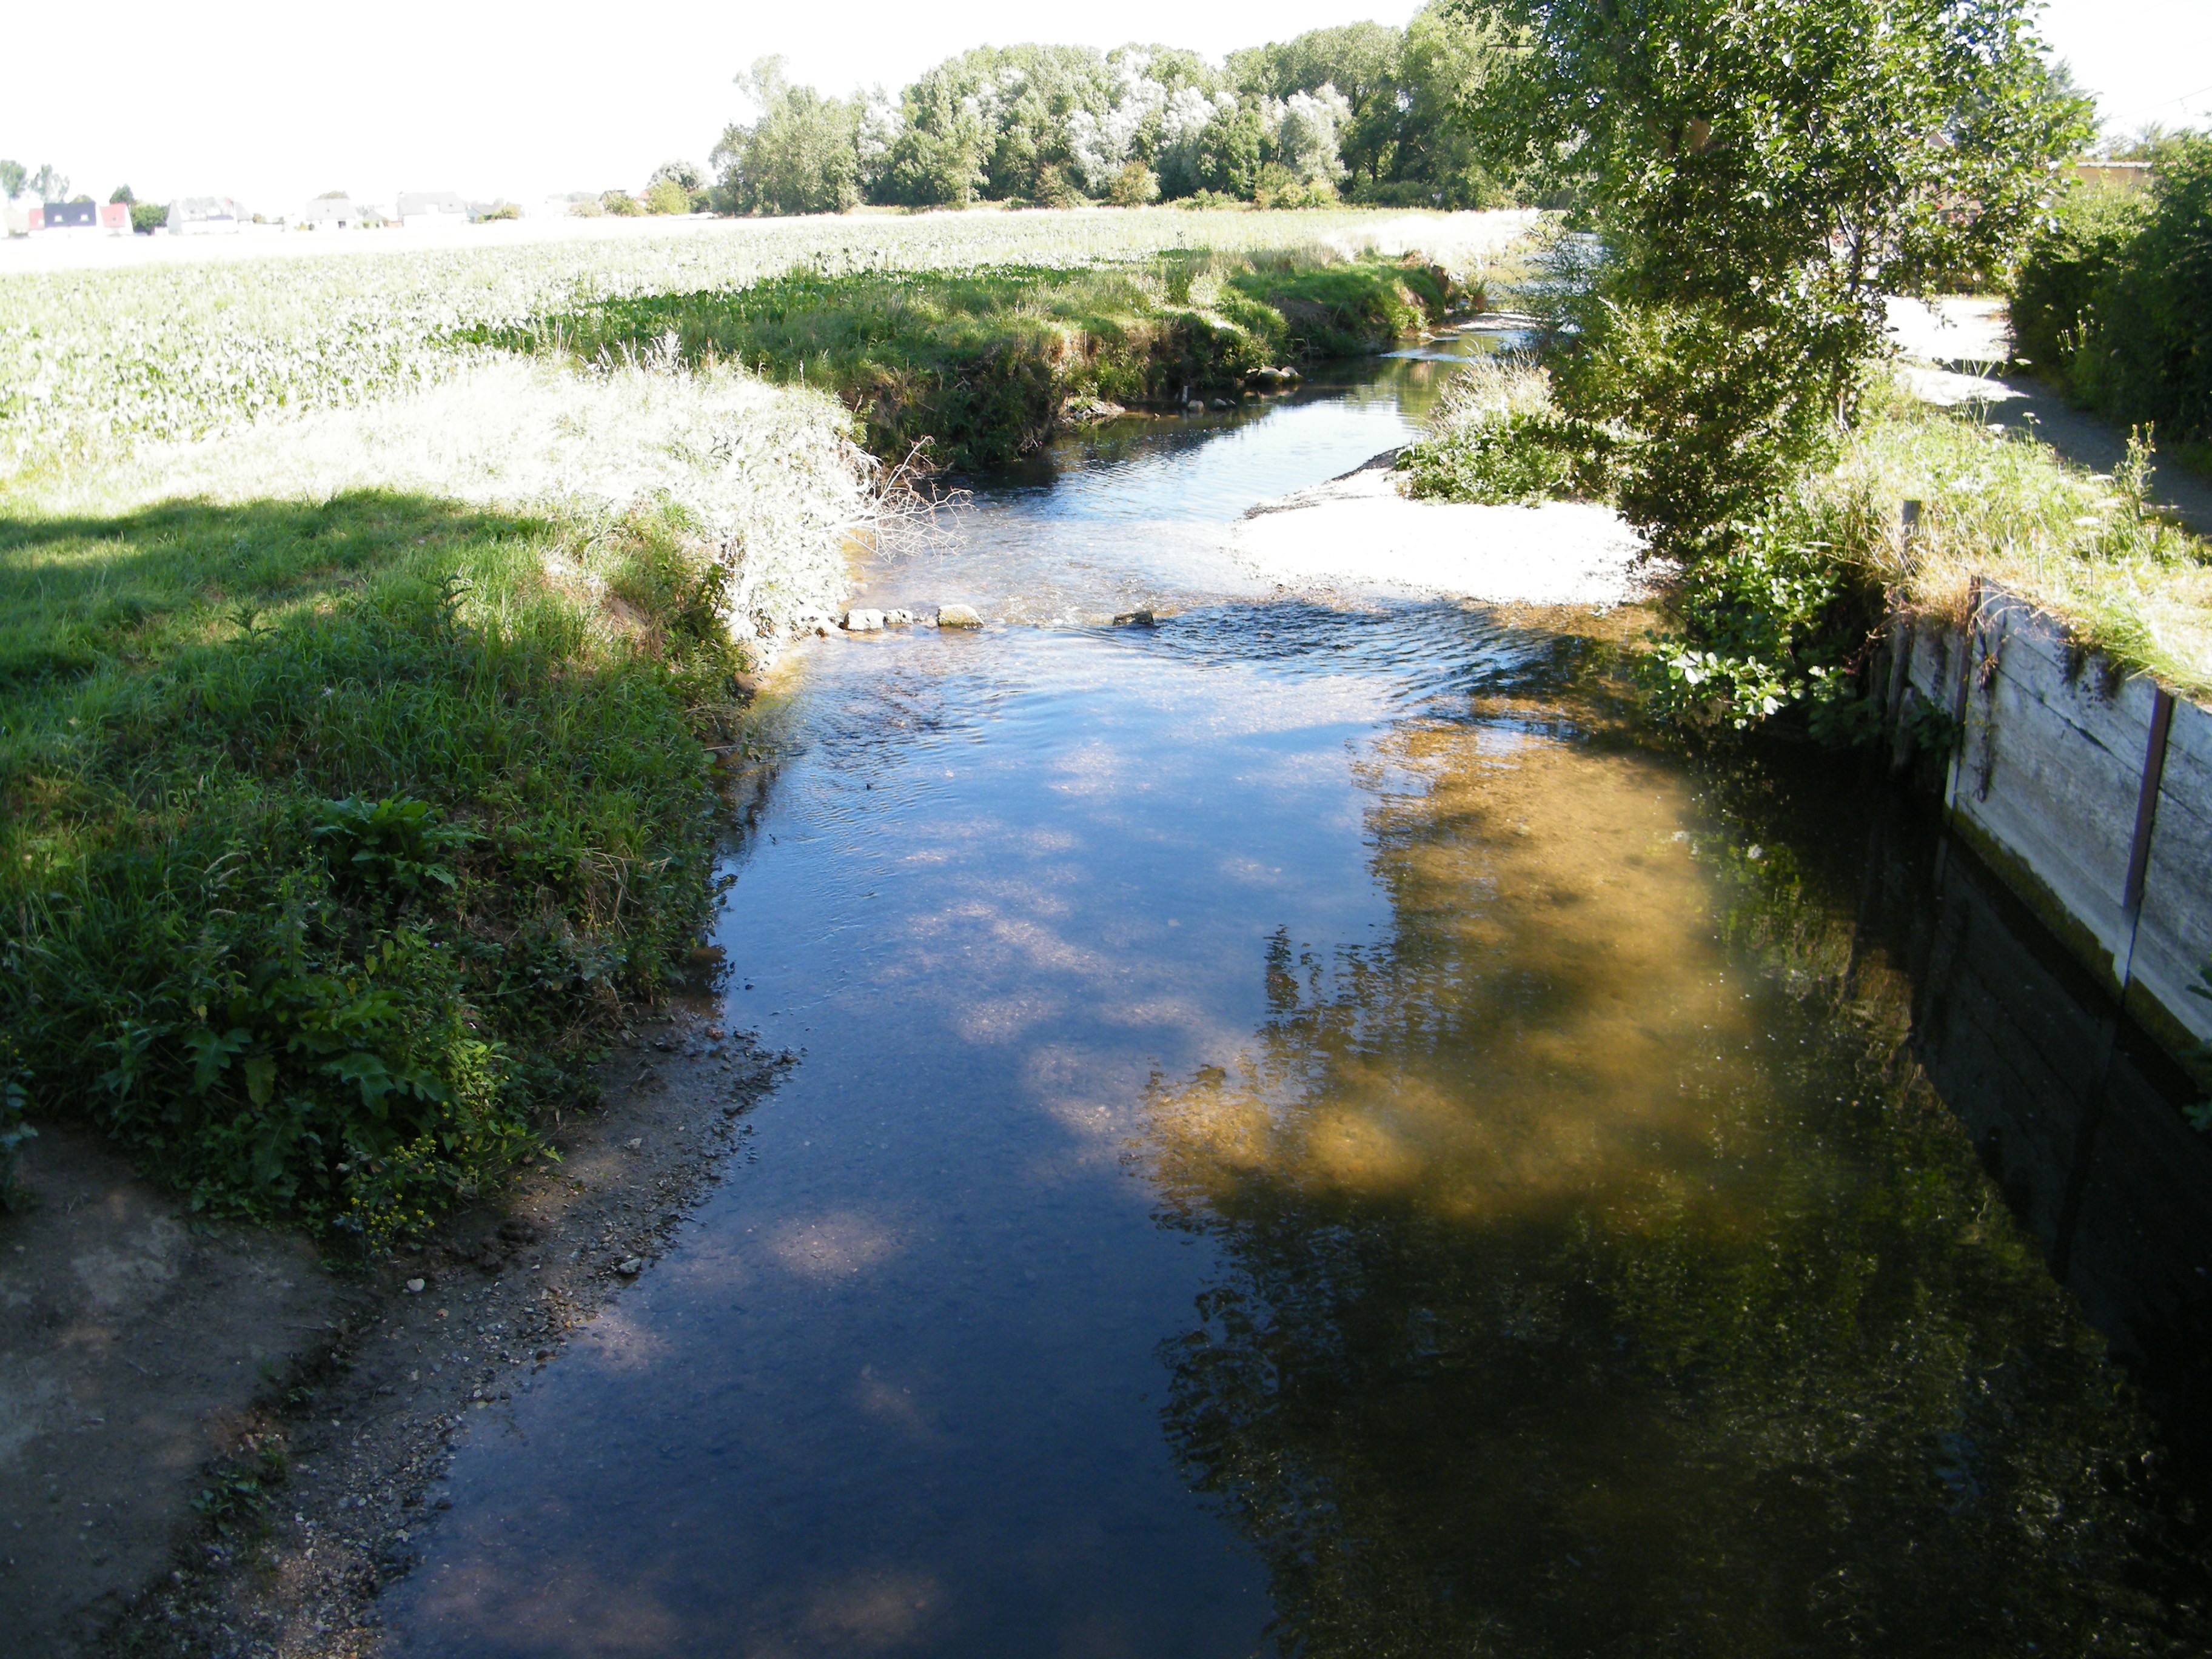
(331,835)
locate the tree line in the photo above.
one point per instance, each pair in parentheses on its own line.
(1367,112)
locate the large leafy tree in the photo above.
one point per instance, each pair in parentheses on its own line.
(798,157)
(1764,172)
(1360,60)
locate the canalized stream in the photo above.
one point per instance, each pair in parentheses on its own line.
(1312,1141)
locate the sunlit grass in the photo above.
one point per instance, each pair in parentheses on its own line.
(2002,505)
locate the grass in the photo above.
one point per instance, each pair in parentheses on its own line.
(982,362)
(351,775)
(2002,505)
(332,835)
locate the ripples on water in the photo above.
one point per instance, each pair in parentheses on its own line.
(1314,1140)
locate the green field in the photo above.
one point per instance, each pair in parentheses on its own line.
(93,361)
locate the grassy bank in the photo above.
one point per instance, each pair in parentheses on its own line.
(982,362)
(340,813)
(1781,625)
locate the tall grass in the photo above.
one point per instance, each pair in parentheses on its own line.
(351,774)
(1999,504)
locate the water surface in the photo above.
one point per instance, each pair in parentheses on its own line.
(1312,1140)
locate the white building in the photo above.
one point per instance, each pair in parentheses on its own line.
(331,213)
(206,215)
(426,209)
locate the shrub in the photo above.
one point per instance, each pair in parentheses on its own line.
(590,208)
(147,218)
(1277,186)
(499,211)
(2145,351)
(1053,188)
(666,196)
(1135,185)
(621,203)
(1212,201)
(1495,436)
(2068,263)
(1775,622)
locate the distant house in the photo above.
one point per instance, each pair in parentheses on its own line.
(53,217)
(205,216)
(79,218)
(331,213)
(427,209)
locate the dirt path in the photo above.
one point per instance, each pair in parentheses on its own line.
(1952,348)
(212,1443)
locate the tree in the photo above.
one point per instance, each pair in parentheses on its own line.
(123,195)
(1438,158)
(14,175)
(800,157)
(940,150)
(2145,336)
(1304,131)
(48,185)
(1764,172)
(1360,61)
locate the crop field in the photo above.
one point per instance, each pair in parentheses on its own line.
(93,363)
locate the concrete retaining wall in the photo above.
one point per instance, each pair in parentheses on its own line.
(2089,794)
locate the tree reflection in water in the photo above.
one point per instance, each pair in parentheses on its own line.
(1603,1278)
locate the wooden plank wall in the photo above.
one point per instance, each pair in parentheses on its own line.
(2048,782)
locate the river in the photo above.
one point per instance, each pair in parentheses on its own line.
(1312,1139)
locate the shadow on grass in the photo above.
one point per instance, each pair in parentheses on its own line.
(78,590)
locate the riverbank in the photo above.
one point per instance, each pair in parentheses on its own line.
(217,1443)
(342,814)
(358,786)
(984,366)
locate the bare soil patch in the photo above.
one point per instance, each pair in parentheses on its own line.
(210,1443)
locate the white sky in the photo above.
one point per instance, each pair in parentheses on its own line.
(273,103)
